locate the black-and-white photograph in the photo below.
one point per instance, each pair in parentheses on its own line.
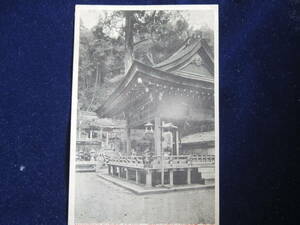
(144,130)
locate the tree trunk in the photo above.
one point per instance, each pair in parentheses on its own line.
(128,40)
(95,88)
(101,74)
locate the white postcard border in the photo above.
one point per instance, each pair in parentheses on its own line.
(78,10)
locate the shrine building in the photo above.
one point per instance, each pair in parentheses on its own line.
(172,105)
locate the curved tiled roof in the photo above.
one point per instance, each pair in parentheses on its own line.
(185,54)
(172,70)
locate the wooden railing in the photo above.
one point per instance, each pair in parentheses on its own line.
(130,161)
(182,161)
(88,139)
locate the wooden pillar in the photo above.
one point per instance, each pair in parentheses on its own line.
(157,141)
(162,176)
(109,169)
(171,175)
(128,142)
(106,142)
(126,174)
(101,133)
(177,142)
(157,135)
(119,172)
(149,178)
(137,177)
(113,170)
(127,137)
(189,175)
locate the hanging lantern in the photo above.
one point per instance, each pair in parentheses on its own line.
(148,128)
(151,97)
(139,80)
(160,96)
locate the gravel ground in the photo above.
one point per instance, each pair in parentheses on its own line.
(98,201)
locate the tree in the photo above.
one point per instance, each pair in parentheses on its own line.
(152,29)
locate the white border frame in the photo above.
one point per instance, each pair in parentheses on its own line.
(78,8)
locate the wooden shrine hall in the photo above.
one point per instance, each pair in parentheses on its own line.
(162,100)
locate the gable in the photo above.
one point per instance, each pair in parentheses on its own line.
(196,66)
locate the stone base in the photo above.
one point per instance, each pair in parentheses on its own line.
(208,174)
(209,181)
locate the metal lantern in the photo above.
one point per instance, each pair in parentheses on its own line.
(169,126)
(148,128)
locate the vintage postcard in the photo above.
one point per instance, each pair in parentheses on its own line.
(145,116)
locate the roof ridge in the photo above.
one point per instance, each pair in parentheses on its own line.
(184,52)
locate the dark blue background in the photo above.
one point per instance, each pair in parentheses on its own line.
(258,99)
